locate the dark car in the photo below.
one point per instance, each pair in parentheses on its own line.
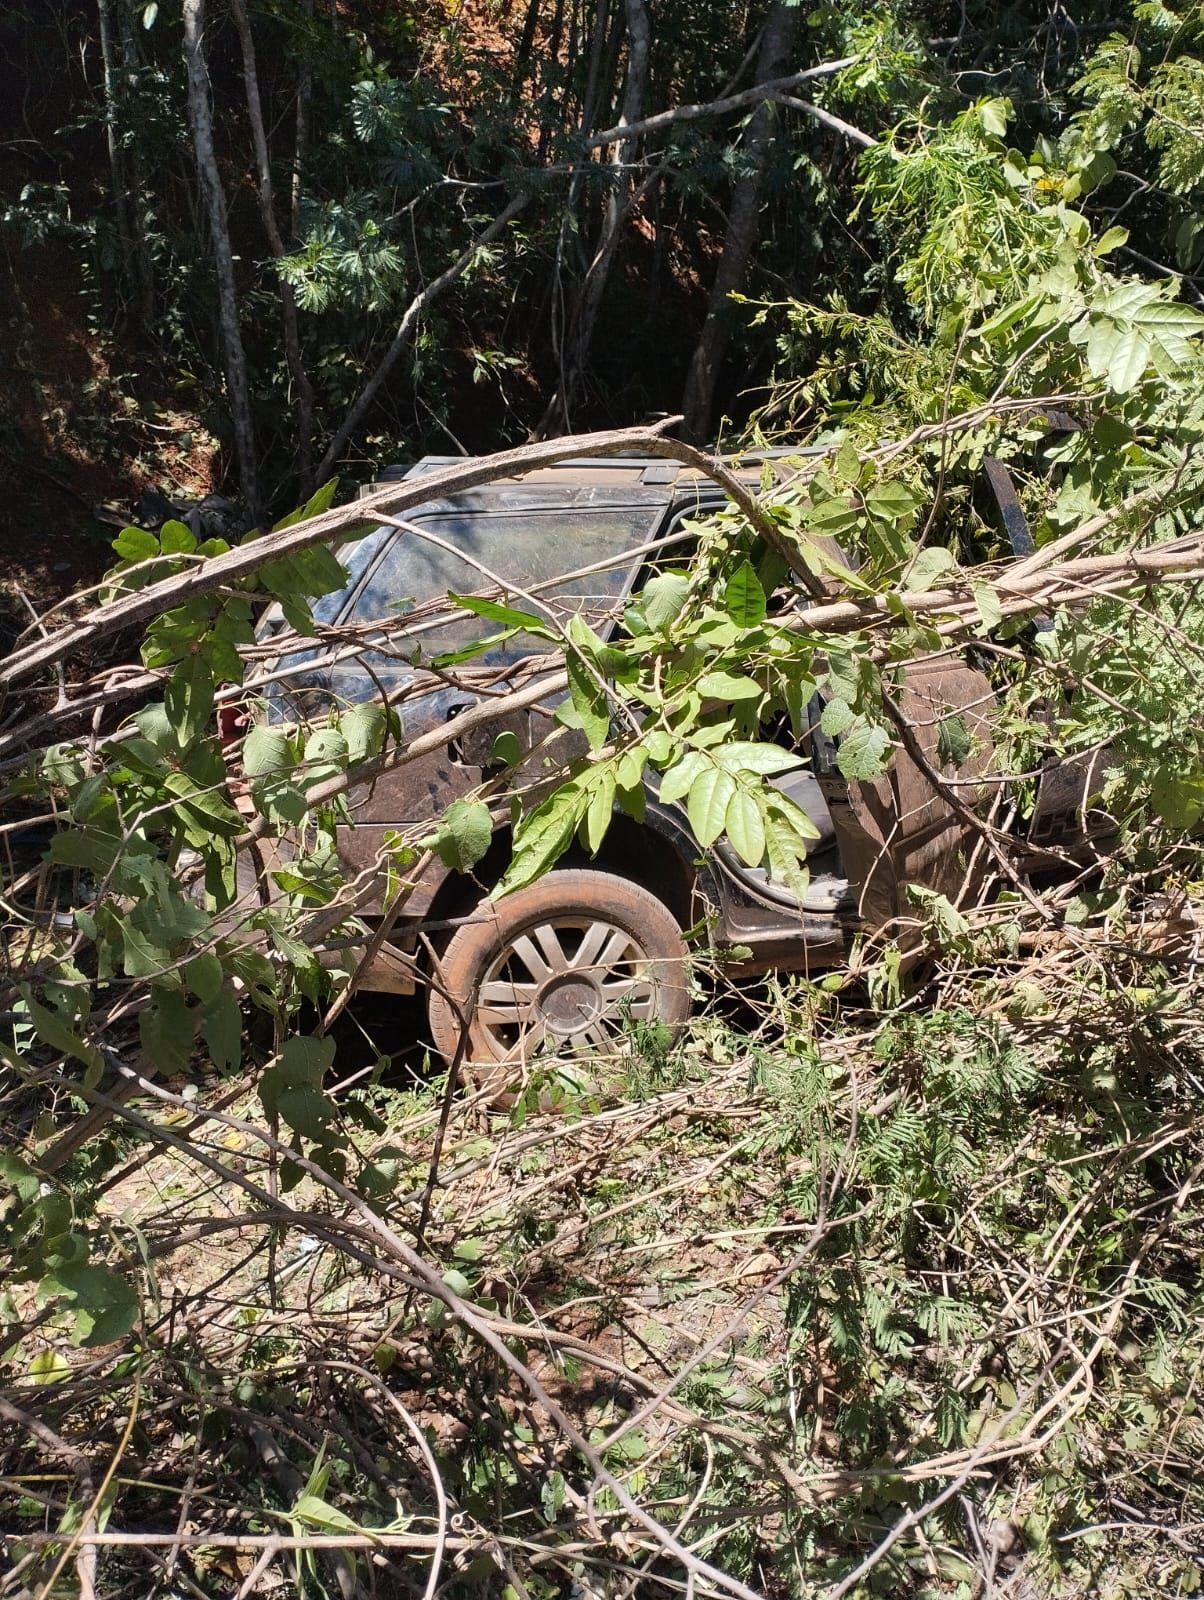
(597,944)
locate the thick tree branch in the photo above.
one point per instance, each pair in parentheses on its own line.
(768,90)
(138,609)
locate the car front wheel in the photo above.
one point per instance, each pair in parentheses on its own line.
(561,967)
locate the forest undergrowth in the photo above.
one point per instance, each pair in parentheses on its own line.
(848,1301)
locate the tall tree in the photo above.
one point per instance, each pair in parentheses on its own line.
(200,121)
(618,205)
(743,226)
(267,211)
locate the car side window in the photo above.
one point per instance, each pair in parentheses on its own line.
(569,557)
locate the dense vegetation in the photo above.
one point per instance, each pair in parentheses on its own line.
(884,1283)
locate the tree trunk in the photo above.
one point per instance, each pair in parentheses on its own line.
(618,206)
(305,85)
(132,62)
(288,303)
(200,122)
(121,199)
(743,225)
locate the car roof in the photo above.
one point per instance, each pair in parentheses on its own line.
(619,471)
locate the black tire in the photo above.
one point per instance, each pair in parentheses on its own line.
(563,963)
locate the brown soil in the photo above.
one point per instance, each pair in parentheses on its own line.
(79,440)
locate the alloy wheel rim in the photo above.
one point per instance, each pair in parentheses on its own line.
(566,983)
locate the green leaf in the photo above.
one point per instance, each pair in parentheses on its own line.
(325,755)
(675,784)
(363,727)
(1111,240)
(303,1064)
(589,702)
(600,810)
(314,1512)
(990,610)
(745,827)
(1118,353)
(944,919)
(728,686)
(828,518)
(306,1060)
(49,1366)
(995,116)
(743,596)
(266,751)
(283,804)
(663,596)
(307,1111)
(891,501)
(165,1030)
(221,1029)
(542,836)
(188,699)
(103,1305)
(465,834)
(1177,797)
(203,975)
(177,538)
(745,756)
(90,847)
(318,502)
(140,955)
(475,648)
(552,1495)
(505,751)
(136,544)
(52,1030)
(710,796)
(659,745)
(494,611)
(953,741)
(932,562)
(863,751)
(153,724)
(837,716)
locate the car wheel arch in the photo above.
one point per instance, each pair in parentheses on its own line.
(632,850)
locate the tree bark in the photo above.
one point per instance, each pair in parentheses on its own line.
(288,303)
(121,199)
(200,121)
(743,226)
(132,61)
(305,85)
(618,205)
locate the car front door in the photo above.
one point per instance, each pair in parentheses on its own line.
(567,548)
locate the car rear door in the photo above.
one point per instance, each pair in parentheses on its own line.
(899,829)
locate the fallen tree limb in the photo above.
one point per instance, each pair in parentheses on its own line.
(136,610)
